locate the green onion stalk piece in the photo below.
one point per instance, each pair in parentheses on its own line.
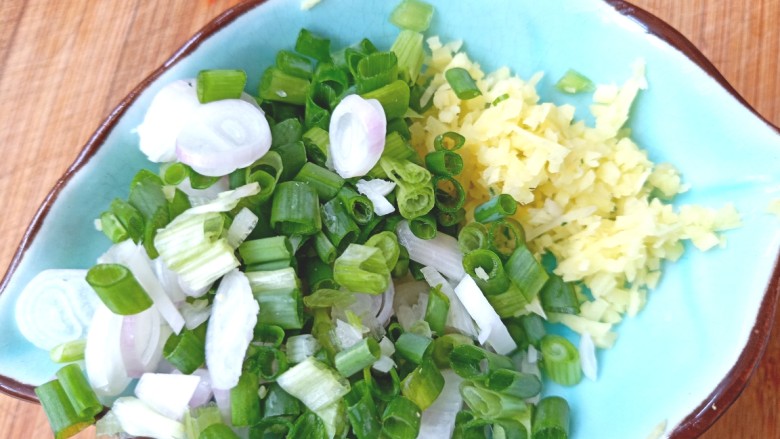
(244,400)
(394,98)
(511,382)
(475,363)
(526,272)
(486,269)
(293,158)
(276,85)
(415,15)
(444,162)
(473,236)
(218,431)
(375,71)
(408,47)
(488,404)
(187,350)
(296,209)
(449,141)
(573,82)
(437,310)
(68,352)
(505,236)
(268,335)
(362,412)
(316,140)
(215,85)
(338,225)
(561,360)
(272,427)
(294,64)
(498,207)
(462,83)
(401,419)
(362,269)
(312,45)
(325,250)
(359,206)
(551,419)
(424,226)
(199,418)
(451,219)
(559,296)
(280,403)
(118,289)
(357,357)
(385,387)
(63,419)
(423,385)
(444,345)
(412,347)
(326,183)
(267,362)
(82,398)
(258,251)
(387,242)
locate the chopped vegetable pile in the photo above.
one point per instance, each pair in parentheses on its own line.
(375,246)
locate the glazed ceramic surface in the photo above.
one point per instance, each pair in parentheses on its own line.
(670,359)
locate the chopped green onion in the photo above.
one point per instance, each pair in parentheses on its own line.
(315,384)
(533,326)
(486,269)
(473,236)
(285,132)
(327,298)
(362,412)
(294,64)
(293,158)
(401,267)
(198,419)
(157,221)
(363,269)
(319,274)
(308,426)
(561,360)
(511,382)
(451,219)
(415,201)
(332,81)
(301,347)
(500,99)
(574,82)
(505,236)
(316,108)
(474,363)
(462,83)
(408,47)
(215,85)
(387,242)
(325,182)
(244,400)
(551,419)
(277,427)
(437,310)
(129,217)
(398,127)
(500,206)
(63,419)
(338,226)
(295,209)
(412,14)
(559,296)
(146,194)
(218,431)
(266,361)
(375,71)
(423,385)
(187,350)
(313,46)
(322,325)
(112,227)
(444,162)
(268,335)
(174,173)
(449,141)
(450,195)
(118,289)
(317,140)
(444,345)
(357,357)
(401,419)
(384,388)
(282,307)
(412,347)
(487,404)
(396,147)
(359,206)
(325,249)
(424,226)
(510,303)
(68,352)
(526,272)
(394,98)
(178,204)
(82,398)
(276,85)
(280,403)
(257,251)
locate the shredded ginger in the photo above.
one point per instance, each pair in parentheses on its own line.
(588,194)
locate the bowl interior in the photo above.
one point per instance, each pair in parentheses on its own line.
(697,322)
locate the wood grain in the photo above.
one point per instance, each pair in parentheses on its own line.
(65,65)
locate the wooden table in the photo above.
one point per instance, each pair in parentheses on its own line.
(64,65)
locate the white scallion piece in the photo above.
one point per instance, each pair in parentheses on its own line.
(195,313)
(357,135)
(438,420)
(169,111)
(491,329)
(103,356)
(587,348)
(243,224)
(315,384)
(346,335)
(441,252)
(230,330)
(377,190)
(55,307)
(222,136)
(385,362)
(301,347)
(458,318)
(168,394)
(138,419)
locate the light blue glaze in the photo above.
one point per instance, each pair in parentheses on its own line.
(669,358)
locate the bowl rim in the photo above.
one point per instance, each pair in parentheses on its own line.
(693,425)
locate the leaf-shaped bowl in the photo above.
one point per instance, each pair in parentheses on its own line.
(683,360)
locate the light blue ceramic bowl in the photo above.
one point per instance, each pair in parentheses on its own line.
(683,360)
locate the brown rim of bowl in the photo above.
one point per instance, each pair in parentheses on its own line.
(692,426)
